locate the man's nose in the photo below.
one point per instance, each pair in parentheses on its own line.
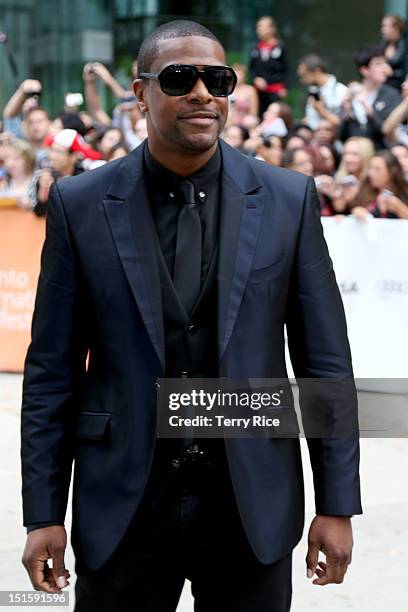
(199,93)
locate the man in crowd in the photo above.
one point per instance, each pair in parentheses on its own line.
(182,260)
(368,103)
(325,92)
(24,118)
(67,151)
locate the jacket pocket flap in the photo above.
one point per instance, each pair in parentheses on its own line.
(92,425)
(259,275)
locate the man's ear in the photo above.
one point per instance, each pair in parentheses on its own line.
(140,93)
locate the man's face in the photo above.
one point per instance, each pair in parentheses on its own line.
(37,125)
(61,160)
(306,77)
(325,133)
(189,123)
(377,70)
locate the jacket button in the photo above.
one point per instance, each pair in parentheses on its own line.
(191,328)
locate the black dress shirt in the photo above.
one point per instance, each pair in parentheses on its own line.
(161,185)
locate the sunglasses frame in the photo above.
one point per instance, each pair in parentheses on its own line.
(159,76)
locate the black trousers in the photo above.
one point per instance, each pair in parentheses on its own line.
(189,527)
(265,99)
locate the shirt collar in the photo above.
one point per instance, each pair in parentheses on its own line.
(165,181)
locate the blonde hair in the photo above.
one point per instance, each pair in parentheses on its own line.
(23,148)
(366,150)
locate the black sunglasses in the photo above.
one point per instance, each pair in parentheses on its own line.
(179,79)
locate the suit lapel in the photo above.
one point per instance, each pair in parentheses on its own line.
(242,203)
(128,213)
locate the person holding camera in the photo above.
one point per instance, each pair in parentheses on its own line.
(126,114)
(368,103)
(325,92)
(24,118)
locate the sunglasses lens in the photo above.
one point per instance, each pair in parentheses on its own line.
(178,80)
(220,81)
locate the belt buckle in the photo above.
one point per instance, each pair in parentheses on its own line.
(194,453)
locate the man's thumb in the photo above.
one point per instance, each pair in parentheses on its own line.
(312,559)
(58,566)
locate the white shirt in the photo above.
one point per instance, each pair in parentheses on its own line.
(332,95)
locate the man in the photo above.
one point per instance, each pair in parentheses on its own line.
(368,104)
(127,276)
(67,149)
(326,93)
(268,64)
(25,119)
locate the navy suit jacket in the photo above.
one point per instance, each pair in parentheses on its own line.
(99,291)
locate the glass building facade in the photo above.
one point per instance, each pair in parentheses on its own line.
(52,39)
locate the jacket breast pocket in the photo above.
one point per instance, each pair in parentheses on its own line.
(260,275)
(93,426)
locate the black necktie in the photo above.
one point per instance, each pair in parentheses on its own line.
(187,262)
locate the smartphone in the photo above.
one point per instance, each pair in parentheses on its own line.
(349,181)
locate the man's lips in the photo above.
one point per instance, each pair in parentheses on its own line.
(199,117)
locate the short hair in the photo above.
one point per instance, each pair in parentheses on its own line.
(398,22)
(72,121)
(34,109)
(364,55)
(313,62)
(178,28)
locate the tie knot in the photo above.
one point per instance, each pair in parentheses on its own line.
(186,190)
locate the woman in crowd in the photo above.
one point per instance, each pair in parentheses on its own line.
(298,159)
(329,158)
(244,101)
(401,153)
(19,164)
(235,136)
(393,31)
(117,151)
(108,138)
(384,191)
(277,121)
(356,156)
(268,64)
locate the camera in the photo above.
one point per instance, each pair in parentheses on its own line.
(314,92)
(74,99)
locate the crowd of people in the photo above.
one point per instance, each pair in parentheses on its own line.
(353,139)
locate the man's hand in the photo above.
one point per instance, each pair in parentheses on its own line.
(45,181)
(88,74)
(333,536)
(318,105)
(30,86)
(43,544)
